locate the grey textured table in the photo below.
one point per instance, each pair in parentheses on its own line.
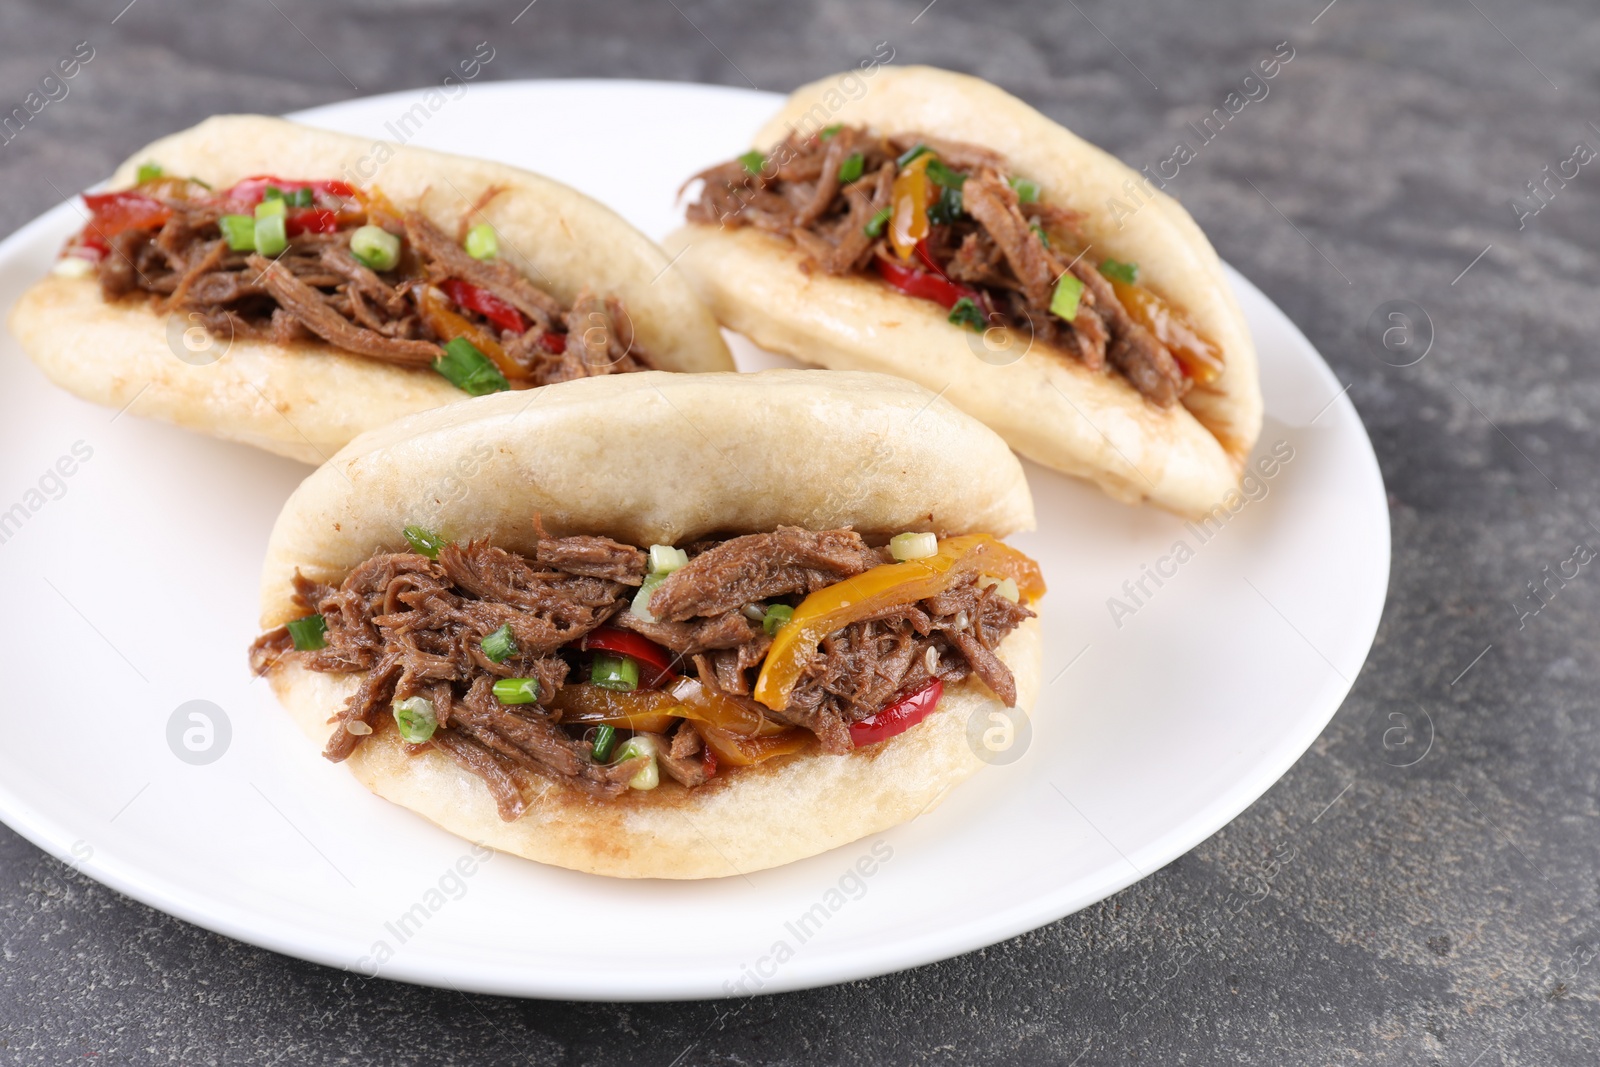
(1443,912)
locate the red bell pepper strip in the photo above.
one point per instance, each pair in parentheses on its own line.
(473,298)
(317,220)
(925,285)
(898,717)
(626,643)
(113,213)
(555,342)
(251,190)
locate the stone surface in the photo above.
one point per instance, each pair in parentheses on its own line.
(1359,912)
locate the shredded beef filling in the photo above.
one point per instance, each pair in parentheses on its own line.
(411,626)
(317,290)
(982,236)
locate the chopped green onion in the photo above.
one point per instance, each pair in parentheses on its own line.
(376,247)
(850,169)
(482,242)
(271,237)
(1006,587)
(416,718)
(966,313)
(641,599)
(500,645)
(425,541)
(201,184)
(309,633)
(240,232)
(634,748)
(947,208)
(268,208)
(614,672)
(1065,300)
(943,175)
(516,690)
(1027,191)
(776,617)
(753,161)
(1122,272)
(149,172)
(469,370)
(875,227)
(272,192)
(828,132)
(604,738)
(300,198)
(908,546)
(664,559)
(72,267)
(1038,231)
(912,153)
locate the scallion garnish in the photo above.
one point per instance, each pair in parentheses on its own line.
(272,192)
(636,747)
(908,546)
(482,242)
(614,672)
(469,370)
(604,738)
(828,132)
(943,175)
(753,161)
(1065,301)
(308,633)
(775,618)
(664,559)
(376,247)
(425,541)
(270,236)
(1006,587)
(912,153)
(1122,272)
(966,313)
(500,645)
(947,208)
(850,169)
(875,227)
(239,231)
(149,172)
(300,198)
(268,208)
(1038,231)
(416,718)
(641,599)
(1027,191)
(517,690)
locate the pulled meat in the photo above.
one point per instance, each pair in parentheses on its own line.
(1005,253)
(411,626)
(761,566)
(316,290)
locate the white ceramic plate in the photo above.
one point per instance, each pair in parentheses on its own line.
(131,588)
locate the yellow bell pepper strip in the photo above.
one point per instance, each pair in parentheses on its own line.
(842,603)
(1201,360)
(655,710)
(444,321)
(736,751)
(908,199)
(649,710)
